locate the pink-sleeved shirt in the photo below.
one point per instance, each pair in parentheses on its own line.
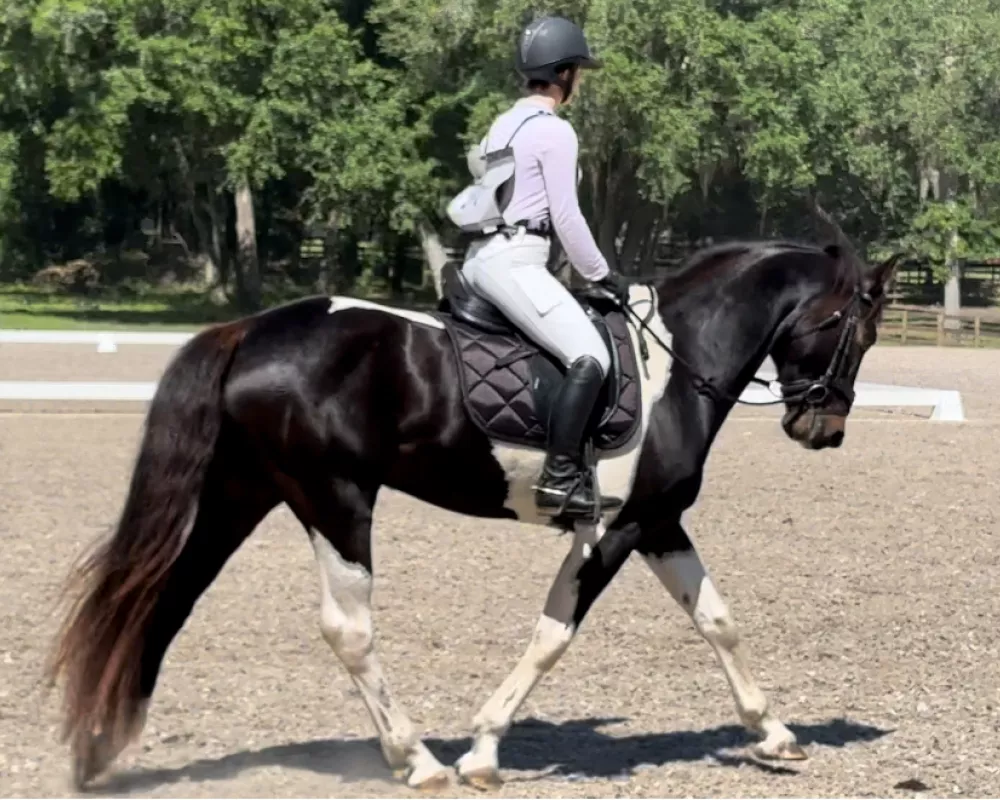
(545,180)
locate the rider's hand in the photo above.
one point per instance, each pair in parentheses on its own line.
(615,283)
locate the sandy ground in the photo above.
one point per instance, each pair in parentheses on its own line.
(865,582)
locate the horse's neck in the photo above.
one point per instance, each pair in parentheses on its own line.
(727,345)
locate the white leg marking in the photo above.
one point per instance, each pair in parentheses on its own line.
(346,623)
(685,578)
(551,638)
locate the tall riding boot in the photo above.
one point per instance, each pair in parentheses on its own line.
(565,486)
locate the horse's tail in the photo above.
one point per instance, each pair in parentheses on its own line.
(99,648)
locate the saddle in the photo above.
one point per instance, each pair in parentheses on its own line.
(508,381)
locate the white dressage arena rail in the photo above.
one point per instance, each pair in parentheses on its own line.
(946,403)
(106,341)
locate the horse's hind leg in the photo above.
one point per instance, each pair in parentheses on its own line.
(680,570)
(340,531)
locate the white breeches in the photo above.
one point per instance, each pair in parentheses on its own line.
(511,274)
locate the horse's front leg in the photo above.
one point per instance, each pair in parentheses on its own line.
(676,563)
(595,558)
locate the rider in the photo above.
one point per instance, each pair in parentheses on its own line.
(526,186)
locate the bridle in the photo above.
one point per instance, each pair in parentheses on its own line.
(805,393)
(813,392)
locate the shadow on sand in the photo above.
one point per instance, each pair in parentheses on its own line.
(573,750)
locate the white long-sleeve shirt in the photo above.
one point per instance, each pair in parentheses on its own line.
(545,180)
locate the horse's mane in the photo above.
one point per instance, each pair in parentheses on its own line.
(739,255)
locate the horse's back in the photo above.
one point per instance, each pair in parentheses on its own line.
(358,377)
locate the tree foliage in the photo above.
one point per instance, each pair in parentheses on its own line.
(276,120)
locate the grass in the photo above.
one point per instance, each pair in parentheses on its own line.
(41,309)
(153,309)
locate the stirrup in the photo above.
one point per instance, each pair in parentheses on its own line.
(588,470)
(567,496)
(596,510)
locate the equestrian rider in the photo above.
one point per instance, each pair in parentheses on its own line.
(526,186)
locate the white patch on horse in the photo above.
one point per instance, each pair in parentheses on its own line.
(615,470)
(338,303)
(684,576)
(346,623)
(550,640)
(553,634)
(522,467)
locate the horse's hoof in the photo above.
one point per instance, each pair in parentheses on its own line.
(432,783)
(484,779)
(782,751)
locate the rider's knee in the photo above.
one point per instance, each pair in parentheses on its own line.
(594,357)
(603,358)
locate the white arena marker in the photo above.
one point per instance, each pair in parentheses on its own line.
(106,344)
(950,408)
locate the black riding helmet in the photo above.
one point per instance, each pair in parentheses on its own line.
(549,45)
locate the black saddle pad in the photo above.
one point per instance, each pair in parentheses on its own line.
(507,381)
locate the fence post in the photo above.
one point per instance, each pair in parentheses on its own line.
(940,330)
(976,330)
(906,323)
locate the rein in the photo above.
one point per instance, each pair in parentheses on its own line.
(810,392)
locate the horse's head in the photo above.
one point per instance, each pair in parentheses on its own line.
(820,351)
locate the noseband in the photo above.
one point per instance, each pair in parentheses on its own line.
(805,393)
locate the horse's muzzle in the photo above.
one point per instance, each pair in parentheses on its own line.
(814,429)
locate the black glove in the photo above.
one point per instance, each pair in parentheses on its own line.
(615,283)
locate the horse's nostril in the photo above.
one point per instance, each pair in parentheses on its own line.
(837,439)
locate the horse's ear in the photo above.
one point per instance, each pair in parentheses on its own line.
(879,276)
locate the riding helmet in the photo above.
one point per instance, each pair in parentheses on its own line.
(549,44)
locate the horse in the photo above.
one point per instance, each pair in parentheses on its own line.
(320,402)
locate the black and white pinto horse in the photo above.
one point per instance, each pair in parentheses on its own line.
(321,402)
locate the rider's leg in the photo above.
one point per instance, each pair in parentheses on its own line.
(512,275)
(565,485)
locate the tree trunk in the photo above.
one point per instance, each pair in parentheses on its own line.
(204,248)
(397,266)
(609,224)
(219,250)
(641,223)
(331,252)
(246,243)
(434,254)
(207,252)
(651,247)
(947,183)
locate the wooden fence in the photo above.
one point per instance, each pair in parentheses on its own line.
(904,324)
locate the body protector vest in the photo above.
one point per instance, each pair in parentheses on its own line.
(480,206)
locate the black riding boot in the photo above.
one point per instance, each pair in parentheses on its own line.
(565,486)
